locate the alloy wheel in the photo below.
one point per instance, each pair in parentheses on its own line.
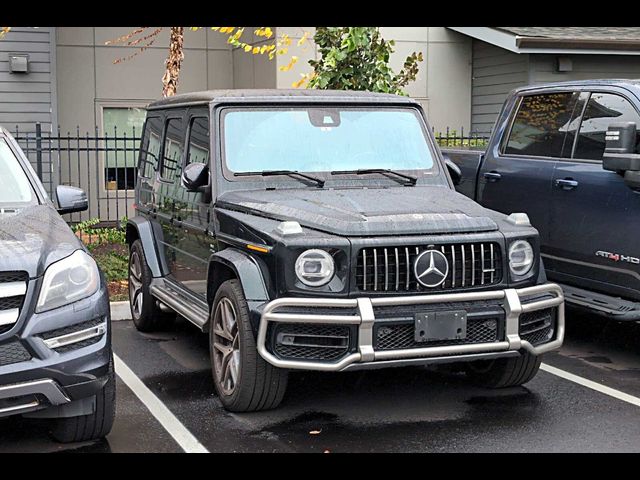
(135,284)
(226,347)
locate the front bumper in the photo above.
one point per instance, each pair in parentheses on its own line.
(515,302)
(55,358)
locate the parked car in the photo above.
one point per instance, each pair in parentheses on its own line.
(545,158)
(56,360)
(320,230)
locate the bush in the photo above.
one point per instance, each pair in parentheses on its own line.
(109,249)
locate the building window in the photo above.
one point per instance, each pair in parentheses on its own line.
(122,130)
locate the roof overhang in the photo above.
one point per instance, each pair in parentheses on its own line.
(565,46)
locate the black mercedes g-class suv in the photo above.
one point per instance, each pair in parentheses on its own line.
(56,360)
(320,230)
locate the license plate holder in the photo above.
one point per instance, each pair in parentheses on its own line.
(438,326)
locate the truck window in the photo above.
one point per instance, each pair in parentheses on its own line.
(150,147)
(602,110)
(198,145)
(540,125)
(173,148)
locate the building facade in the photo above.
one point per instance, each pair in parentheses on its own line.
(69,80)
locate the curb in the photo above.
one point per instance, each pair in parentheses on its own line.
(120,311)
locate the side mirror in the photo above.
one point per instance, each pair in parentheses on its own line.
(195,177)
(620,148)
(71,199)
(454,170)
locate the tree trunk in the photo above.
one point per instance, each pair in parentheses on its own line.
(173,62)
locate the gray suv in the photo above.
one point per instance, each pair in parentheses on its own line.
(56,360)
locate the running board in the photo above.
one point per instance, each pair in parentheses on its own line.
(180,303)
(612,307)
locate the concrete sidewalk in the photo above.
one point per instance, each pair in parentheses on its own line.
(120,311)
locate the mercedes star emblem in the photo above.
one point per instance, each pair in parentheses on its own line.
(431,268)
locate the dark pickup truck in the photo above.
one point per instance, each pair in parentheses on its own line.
(567,155)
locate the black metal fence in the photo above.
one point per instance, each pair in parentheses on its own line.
(451,138)
(103,165)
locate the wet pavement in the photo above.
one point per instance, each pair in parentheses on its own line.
(396,410)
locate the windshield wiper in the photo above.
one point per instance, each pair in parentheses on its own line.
(290,173)
(408,179)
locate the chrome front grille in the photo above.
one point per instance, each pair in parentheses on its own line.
(391,269)
(13,288)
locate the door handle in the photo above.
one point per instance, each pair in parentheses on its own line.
(492,176)
(566,183)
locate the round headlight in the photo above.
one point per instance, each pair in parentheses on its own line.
(315,268)
(520,257)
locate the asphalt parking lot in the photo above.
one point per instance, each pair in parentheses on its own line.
(587,399)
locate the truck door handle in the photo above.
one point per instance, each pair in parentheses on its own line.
(566,183)
(492,176)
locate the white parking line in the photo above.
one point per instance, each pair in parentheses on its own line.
(612,392)
(168,420)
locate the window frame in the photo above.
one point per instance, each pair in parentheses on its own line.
(514,113)
(591,91)
(100,106)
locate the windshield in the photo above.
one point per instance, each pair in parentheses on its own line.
(324,139)
(15,188)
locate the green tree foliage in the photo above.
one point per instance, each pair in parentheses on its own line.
(357,58)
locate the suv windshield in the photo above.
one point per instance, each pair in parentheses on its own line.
(324,140)
(15,188)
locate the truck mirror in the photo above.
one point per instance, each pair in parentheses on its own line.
(71,199)
(620,149)
(454,170)
(195,177)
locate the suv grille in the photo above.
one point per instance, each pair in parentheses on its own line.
(538,327)
(390,269)
(10,302)
(13,353)
(311,342)
(402,335)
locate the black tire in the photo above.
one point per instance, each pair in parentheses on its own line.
(94,426)
(147,316)
(259,385)
(504,372)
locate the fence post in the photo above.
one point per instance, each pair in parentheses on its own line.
(39,150)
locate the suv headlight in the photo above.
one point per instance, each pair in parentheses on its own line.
(315,268)
(520,258)
(68,280)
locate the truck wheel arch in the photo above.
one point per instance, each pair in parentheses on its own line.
(139,228)
(233,263)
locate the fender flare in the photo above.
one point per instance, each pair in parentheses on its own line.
(141,228)
(247,271)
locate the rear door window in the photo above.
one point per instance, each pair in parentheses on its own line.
(602,110)
(173,150)
(150,147)
(540,126)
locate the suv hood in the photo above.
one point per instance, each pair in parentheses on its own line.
(34,237)
(362,211)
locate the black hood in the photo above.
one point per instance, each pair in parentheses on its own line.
(359,212)
(34,237)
